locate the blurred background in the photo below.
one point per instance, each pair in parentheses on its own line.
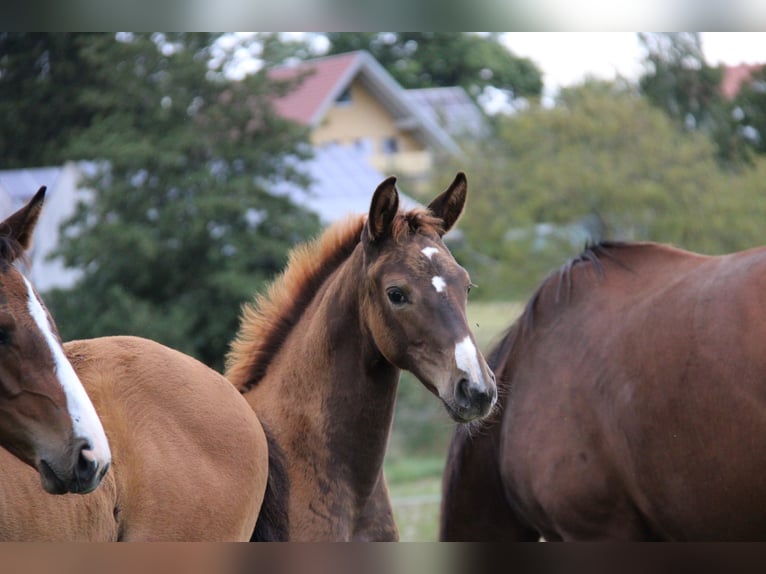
(182,167)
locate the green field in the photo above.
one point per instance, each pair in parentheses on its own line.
(414,480)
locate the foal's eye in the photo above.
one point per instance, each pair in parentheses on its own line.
(5,337)
(396,296)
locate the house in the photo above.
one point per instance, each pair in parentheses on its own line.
(452,109)
(352,101)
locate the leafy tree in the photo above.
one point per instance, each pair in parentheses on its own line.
(602,163)
(40,98)
(749,112)
(181,228)
(433,59)
(679,81)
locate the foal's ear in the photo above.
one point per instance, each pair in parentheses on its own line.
(449,205)
(21,224)
(383,208)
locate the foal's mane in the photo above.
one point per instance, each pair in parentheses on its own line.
(268,320)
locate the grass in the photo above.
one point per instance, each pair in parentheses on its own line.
(415,488)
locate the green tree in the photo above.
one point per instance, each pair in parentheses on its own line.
(40,98)
(434,59)
(601,161)
(181,229)
(679,81)
(749,112)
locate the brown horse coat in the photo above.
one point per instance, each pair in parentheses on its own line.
(633,393)
(189,457)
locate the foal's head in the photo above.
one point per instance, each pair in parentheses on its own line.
(415,296)
(46,418)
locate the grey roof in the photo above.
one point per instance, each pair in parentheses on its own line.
(21,184)
(451,108)
(343,183)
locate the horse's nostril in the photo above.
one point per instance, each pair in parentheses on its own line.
(465,393)
(86,466)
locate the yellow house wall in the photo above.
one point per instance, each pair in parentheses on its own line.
(364,118)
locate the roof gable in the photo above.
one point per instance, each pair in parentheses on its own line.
(327,77)
(324,80)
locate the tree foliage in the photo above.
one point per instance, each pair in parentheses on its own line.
(679,81)
(181,228)
(40,98)
(604,164)
(436,59)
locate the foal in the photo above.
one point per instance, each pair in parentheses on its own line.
(318,358)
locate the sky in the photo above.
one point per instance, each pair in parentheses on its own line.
(567,57)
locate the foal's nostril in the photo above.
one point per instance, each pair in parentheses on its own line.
(463,393)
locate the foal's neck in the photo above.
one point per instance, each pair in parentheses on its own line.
(328,402)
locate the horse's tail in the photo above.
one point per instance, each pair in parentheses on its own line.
(273,523)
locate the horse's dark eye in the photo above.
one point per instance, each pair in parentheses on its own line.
(396,296)
(5,337)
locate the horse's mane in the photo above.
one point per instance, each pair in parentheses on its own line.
(10,248)
(267,321)
(594,253)
(562,280)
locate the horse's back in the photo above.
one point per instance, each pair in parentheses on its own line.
(637,405)
(190,455)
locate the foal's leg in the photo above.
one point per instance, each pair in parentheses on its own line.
(375,522)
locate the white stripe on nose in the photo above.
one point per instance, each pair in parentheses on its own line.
(467,359)
(85,421)
(438,283)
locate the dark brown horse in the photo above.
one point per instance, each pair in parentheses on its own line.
(633,393)
(46,418)
(318,358)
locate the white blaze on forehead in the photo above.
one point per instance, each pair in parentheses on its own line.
(467,359)
(429,251)
(85,421)
(438,283)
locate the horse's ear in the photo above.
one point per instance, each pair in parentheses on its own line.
(383,208)
(21,224)
(449,205)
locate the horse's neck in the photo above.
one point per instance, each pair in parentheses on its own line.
(330,408)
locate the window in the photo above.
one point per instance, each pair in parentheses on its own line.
(345,97)
(390,145)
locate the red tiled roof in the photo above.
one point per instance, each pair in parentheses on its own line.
(735,76)
(322,79)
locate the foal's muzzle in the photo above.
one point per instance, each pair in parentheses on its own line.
(473,399)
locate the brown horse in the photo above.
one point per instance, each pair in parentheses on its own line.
(318,358)
(46,418)
(189,457)
(633,392)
